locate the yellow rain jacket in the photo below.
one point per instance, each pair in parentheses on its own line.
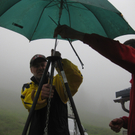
(73,76)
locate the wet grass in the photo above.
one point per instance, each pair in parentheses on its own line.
(13,123)
(13,117)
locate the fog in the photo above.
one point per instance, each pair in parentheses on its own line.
(101,80)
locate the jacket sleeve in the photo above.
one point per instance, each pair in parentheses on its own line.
(118,53)
(26,97)
(74,79)
(125,119)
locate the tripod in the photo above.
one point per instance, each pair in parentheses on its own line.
(52,60)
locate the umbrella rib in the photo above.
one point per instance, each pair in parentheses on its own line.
(68,13)
(39,18)
(76,6)
(96,18)
(42,13)
(10,7)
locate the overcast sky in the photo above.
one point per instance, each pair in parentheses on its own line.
(101,77)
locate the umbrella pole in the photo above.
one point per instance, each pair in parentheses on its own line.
(53,59)
(69,43)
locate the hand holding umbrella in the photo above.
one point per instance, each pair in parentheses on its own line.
(66,32)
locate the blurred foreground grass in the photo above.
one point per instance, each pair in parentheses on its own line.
(13,117)
(12,123)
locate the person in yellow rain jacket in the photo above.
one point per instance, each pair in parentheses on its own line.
(58,115)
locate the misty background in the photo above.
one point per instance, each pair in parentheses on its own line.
(101,80)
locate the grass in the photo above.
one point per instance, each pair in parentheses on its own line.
(12,123)
(13,117)
(93,130)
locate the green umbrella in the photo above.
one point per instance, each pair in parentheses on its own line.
(37,19)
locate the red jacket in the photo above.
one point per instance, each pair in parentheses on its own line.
(124,56)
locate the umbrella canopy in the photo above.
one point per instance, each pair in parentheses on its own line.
(37,19)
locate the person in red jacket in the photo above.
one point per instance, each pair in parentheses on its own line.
(118,123)
(120,54)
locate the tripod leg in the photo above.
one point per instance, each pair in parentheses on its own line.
(35,99)
(70,97)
